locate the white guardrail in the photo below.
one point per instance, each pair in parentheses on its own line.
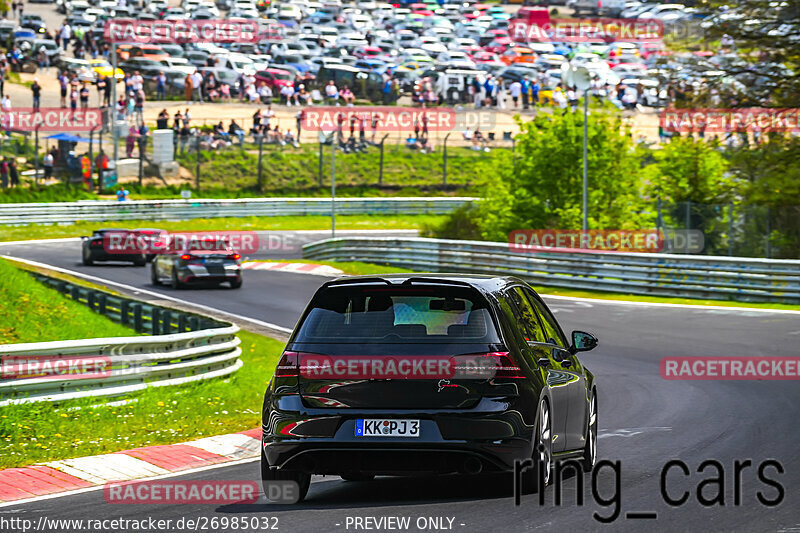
(114,366)
(70,212)
(692,276)
(125,364)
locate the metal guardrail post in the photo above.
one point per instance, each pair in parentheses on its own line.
(137,318)
(166,323)
(101,303)
(124,309)
(182,322)
(194,323)
(155,317)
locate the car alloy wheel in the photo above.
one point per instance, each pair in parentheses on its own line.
(590,451)
(544,445)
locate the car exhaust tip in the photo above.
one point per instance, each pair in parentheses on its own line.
(472,465)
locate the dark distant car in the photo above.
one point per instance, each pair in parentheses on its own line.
(112,244)
(156,240)
(415,374)
(366,85)
(34,22)
(202,261)
(198,58)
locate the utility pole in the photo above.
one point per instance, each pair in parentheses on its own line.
(333,185)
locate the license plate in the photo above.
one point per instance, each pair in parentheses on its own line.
(387,428)
(213,261)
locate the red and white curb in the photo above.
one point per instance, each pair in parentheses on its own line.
(297,268)
(18,484)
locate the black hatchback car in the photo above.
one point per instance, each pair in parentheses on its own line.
(408,374)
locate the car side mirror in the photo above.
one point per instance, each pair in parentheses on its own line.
(582,342)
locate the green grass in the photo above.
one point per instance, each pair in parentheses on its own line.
(33,312)
(41,431)
(292,169)
(283,223)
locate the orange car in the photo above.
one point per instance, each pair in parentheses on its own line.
(518,54)
(149,51)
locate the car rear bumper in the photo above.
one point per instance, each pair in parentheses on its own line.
(448,441)
(202,275)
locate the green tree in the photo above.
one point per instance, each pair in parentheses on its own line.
(690,177)
(769,185)
(689,170)
(543,187)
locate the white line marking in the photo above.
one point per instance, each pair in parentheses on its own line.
(631,432)
(675,306)
(150,293)
(41,241)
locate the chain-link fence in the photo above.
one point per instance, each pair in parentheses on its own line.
(738,230)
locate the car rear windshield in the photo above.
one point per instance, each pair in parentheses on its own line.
(430,314)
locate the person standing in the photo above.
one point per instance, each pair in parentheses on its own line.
(4,172)
(525,88)
(65,32)
(300,116)
(197,86)
(187,92)
(47,164)
(12,172)
(161,86)
(101,87)
(84,96)
(500,93)
(375,121)
(36,90)
(516,91)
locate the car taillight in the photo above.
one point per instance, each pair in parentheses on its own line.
(288,366)
(186,257)
(234,256)
(505,366)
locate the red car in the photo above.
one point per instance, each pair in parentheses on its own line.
(499,45)
(368,52)
(485,57)
(275,78)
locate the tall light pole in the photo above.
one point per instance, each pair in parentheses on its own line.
(581,79)
(333,185)
(585,160)
(113,106)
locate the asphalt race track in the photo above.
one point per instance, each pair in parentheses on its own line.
(645,421)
